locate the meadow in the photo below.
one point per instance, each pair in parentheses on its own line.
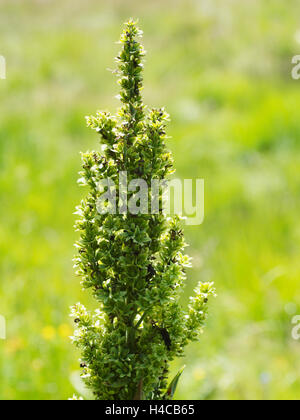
(223,72)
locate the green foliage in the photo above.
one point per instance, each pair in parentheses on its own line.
(235,123)
(134,264)
(173,385)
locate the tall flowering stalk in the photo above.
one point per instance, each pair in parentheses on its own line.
(133,263)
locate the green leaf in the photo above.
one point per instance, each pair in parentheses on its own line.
(173,385)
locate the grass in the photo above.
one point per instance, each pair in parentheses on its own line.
(224,75)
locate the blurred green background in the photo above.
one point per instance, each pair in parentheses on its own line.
(223,70)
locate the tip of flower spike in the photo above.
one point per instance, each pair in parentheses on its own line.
(131,21)
(131,30)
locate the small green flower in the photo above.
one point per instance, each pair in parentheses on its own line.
(133,263)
